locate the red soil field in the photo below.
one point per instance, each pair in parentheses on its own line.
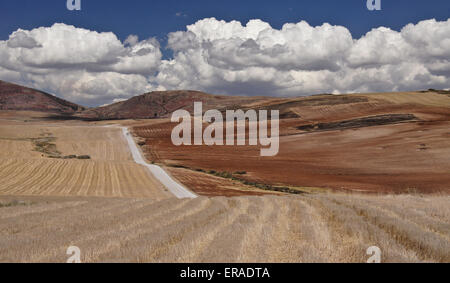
(399,156)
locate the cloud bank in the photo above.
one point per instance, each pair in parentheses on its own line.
(229,58)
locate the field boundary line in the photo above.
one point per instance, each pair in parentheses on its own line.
(160,174)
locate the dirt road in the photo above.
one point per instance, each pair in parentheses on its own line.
(174,187)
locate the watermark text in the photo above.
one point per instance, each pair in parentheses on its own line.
(235,119)
(73,5)
(373,5)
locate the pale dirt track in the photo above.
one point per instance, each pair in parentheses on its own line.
(111,171)
(310,228)
(159,173)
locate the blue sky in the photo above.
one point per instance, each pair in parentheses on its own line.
(90,58)
(156,18)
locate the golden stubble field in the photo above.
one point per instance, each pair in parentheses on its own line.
(114,210)
(41,159)
(307,228)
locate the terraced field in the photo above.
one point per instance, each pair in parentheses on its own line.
(41,159)
(308,228)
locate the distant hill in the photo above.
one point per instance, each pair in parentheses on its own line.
(20,98)
(160,104)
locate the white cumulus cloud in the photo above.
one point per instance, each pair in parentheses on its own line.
(300,59)
(78,64)
(216,56)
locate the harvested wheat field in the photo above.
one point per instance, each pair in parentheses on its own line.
(58,159)
(307,228)
(73,183)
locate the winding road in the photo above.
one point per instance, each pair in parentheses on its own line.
(175,188)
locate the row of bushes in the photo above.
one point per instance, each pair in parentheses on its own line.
(234,177)
(269,187)
(45,146)
(14,203)
(81,157)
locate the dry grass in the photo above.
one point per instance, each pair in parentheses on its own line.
(307,228)
(60,177)
(26,169)
(47,205)
(99,143)
(427,99)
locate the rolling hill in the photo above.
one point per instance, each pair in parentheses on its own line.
(160,104)
(19,98)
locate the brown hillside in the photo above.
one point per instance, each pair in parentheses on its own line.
(380,142)
(20,98)
(159,104)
